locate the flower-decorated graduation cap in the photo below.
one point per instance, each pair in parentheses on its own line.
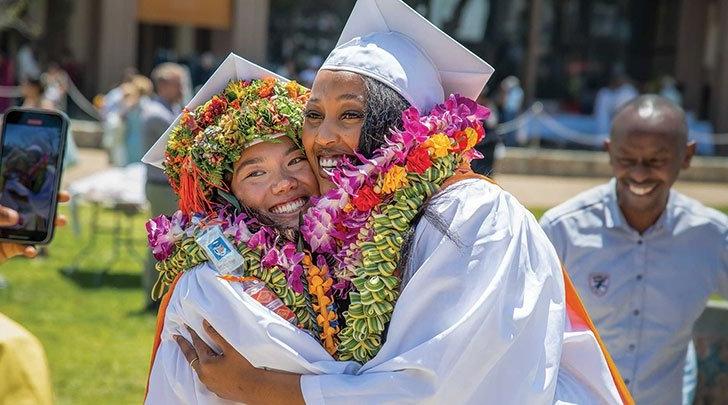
(240,105)
(390,42)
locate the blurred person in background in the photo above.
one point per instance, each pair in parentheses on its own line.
(56,86)
(27,63)
(136,94)
(157,114)
(33,91)
(644,258)
(113,107)
(510,101)
(488,145)
(113,100)
(123,125)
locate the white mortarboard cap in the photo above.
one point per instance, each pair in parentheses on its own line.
(232,68)
(389,41)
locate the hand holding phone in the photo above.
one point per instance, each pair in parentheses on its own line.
(32,145)
(9,217)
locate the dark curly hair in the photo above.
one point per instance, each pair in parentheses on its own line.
(383,111)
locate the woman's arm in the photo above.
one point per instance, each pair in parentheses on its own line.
(229,375)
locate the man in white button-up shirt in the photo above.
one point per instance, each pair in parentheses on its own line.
(644,257)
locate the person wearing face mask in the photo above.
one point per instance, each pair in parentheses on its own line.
(644,257)
(484,315)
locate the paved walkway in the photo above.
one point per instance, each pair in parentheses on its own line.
(548,191)
(532,191)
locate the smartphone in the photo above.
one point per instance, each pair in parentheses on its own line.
(32,146)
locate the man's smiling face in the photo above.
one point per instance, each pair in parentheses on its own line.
(647,149)
(334,119)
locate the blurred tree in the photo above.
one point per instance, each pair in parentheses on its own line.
(14,14)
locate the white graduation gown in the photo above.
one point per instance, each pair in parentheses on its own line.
(482,320)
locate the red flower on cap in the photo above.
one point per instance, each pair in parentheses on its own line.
(213,108)
(419,161)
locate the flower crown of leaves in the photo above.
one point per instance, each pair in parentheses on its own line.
(207,142)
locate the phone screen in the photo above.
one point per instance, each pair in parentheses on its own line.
(29,172)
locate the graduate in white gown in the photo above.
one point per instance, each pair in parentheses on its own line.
(486,314)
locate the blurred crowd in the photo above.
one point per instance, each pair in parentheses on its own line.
(40,84)
(53,83)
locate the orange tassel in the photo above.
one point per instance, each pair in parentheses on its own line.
(192,197)
(189,189)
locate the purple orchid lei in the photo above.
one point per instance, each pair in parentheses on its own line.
(163,233)
(332,226)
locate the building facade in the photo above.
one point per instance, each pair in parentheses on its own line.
(563,50)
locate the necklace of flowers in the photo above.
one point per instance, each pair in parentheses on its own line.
(362,222)
(266,256)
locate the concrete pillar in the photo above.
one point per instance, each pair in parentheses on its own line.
(184,40)
(117,41)
(689,69)
(249,29)
(79,29)
(530,78)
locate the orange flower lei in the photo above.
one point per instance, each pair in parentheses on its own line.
(320,287)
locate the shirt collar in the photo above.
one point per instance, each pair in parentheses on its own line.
(613,217)
(667,219)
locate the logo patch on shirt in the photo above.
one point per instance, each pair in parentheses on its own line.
(599,283)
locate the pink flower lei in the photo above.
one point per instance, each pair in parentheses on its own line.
(333,226)
(163,233)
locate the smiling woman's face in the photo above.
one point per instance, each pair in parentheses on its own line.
(274,179)
(334,118)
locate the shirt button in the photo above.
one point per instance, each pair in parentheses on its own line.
(636,312)
(639,277)
(626,381)
(632,347)
(639,242)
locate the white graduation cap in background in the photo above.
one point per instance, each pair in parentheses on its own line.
(389,41)
(232,68)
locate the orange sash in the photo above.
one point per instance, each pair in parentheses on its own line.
(160,325)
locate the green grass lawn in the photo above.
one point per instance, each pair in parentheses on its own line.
(96,337)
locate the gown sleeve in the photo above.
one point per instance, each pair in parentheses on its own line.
(264,338)
(480,321)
